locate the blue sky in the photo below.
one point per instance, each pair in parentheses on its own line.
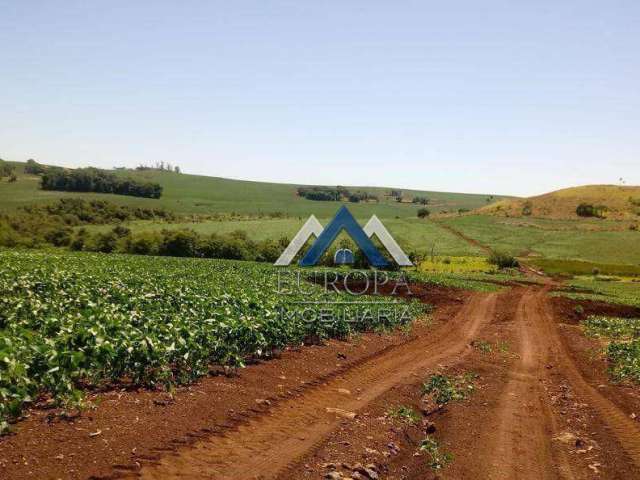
(506,97)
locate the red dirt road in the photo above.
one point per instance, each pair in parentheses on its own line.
(519,440)
(268,444)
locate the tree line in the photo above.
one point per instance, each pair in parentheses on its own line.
(331,194)
(96,180)
(160,166)
(63,224)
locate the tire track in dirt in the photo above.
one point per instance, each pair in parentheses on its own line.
(522,447)
(625,430)
(264,446)
(471,241)
(522,444)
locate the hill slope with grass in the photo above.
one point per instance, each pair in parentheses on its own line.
(611,201)
(194,194)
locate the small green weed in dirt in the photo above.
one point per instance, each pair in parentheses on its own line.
(486,347)
(503,346)
(404,413)
(483,346)
(446,389)
(437,459)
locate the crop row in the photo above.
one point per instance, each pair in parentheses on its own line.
(74,321)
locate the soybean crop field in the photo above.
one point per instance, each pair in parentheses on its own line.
(69,322)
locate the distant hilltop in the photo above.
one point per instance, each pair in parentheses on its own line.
(597,201)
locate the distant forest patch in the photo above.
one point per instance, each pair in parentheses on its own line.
(95,180)
(330,194)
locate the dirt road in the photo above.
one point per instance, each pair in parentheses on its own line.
(520,441)
(523,423)
(266,445)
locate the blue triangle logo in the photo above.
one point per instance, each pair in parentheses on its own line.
(343,221)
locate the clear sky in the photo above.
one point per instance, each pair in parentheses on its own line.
(506,97)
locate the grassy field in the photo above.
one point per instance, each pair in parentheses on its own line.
(186,194)
(421,236)
(554,266)
(554,241)
(595,242)
(611,290)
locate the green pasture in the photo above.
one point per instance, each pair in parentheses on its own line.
(184,194)
(618,247)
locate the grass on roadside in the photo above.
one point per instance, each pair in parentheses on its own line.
(612,327)
(445,389)
(553,266)
(404,413)
(437,459)
(604,289)
(624,358)
(451,264)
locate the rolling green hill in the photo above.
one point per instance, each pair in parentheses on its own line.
(533,237)
(187,194)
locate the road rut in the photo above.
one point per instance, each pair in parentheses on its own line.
(263,447)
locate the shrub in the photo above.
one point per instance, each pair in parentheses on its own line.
(6,169)
(423,213)
(503,260)
(103,242)
(77,210)
(121,231)
(179,243)
(268,251)
(589,210)
(143,244)
(420,200)
(59,236)
(77,243)
(34,168)
(8,236)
